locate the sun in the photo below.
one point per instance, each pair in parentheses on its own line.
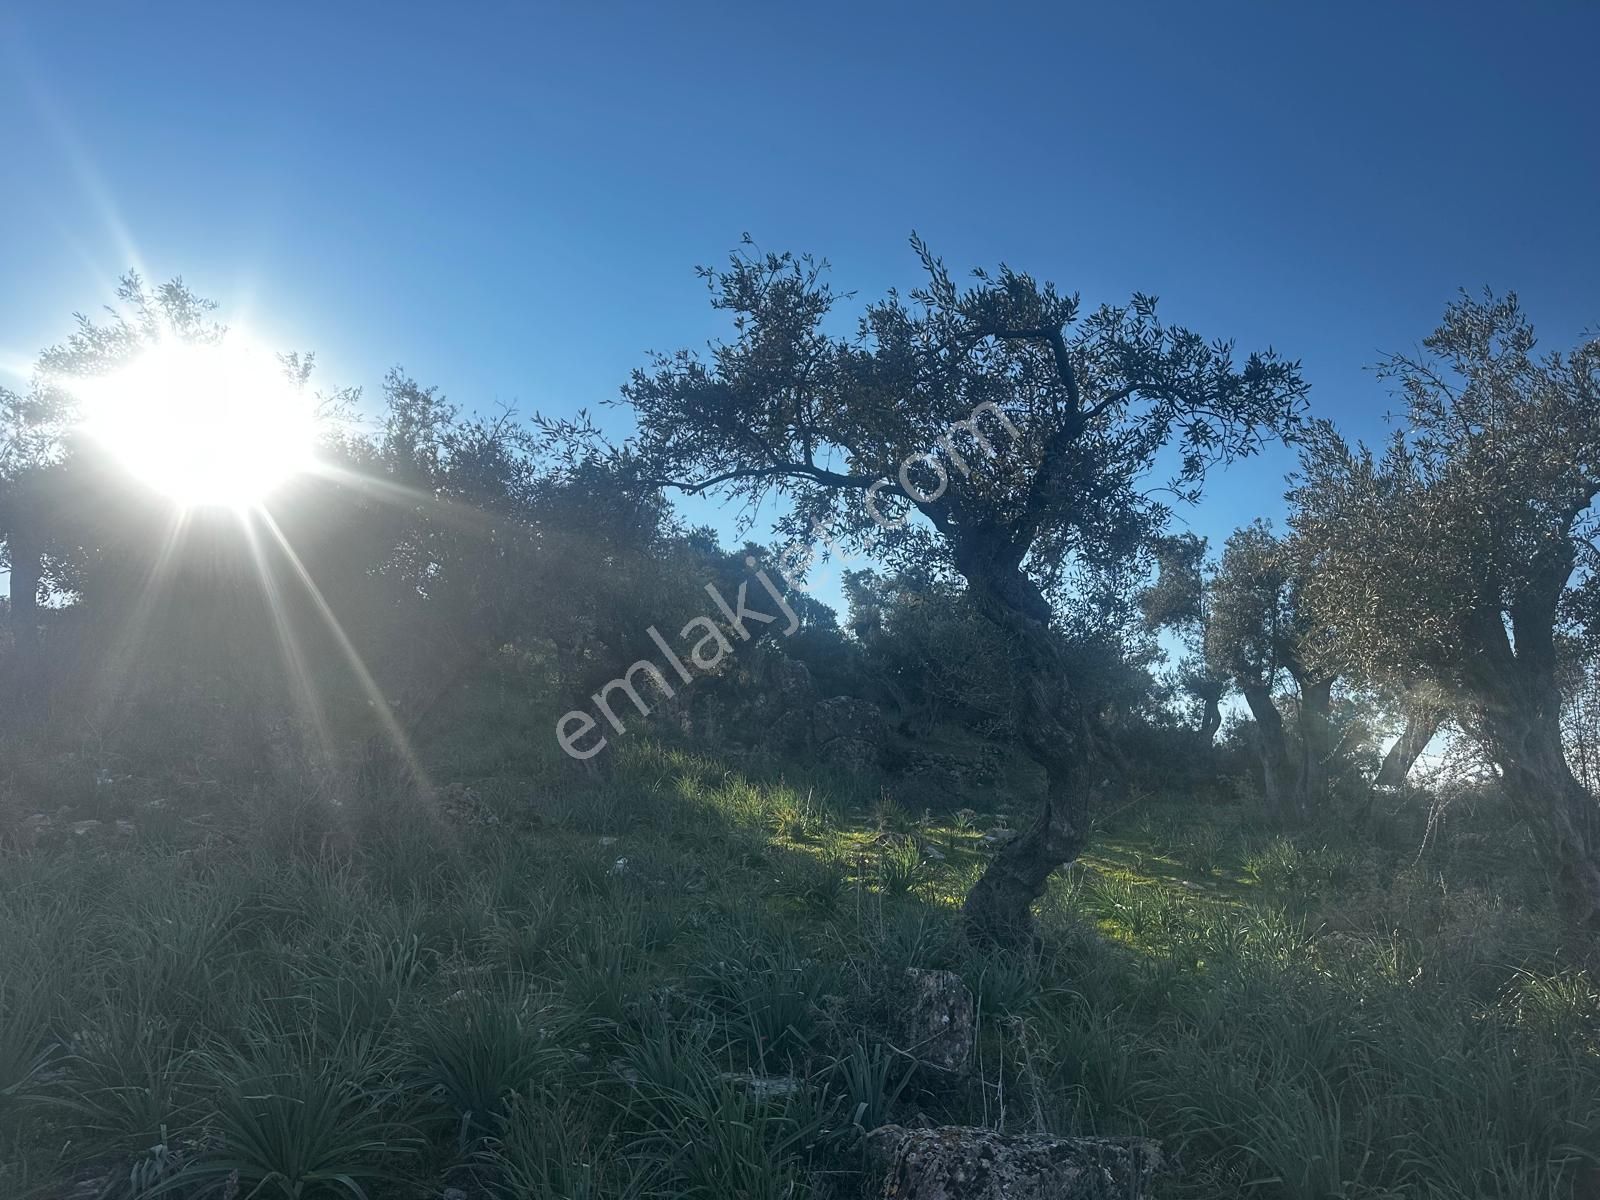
(206,424)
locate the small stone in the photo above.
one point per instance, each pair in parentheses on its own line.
(764,1087)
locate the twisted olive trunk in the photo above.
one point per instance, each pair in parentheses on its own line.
(1276,769)
(998,910)
(1211,721)
(1316,744)
(1563,813)
(1421,725)
(1518,696)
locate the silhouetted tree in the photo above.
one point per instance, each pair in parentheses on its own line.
(57,506)
(25,476)
(1179,600)
(1261,629)
(998,433)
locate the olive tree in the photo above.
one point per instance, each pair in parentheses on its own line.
(1180,600)
(1421,712)
(1449,558)
(25,472)
(1261,630)
(996,432)
(52,496)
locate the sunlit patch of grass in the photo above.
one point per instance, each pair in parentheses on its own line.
(901,866)
(801,818)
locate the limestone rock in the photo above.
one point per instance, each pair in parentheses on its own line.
(776,698)
(938,1025)
(953,772)
(954,1162)
(854,755)
(848,733)
(846,717)
(791,679)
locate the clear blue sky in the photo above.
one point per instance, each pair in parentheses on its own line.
(509,200)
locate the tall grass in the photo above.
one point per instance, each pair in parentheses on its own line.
(504,1009)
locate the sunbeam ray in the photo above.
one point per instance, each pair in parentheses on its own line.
(129,638)
(462,516)
(399,742)
(302,684)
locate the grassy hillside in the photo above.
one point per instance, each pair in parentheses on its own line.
(551,985)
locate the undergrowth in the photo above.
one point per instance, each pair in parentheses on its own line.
(678,981)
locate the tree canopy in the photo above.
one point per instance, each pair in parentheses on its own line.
(999,432)
(1450,557)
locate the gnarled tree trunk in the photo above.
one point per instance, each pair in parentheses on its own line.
(998,910)
(1563,813)
(1316,744)
(1212,720)
(1421,724)
(1519,699)
(1277,775)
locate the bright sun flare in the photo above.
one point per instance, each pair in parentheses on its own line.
(215,424)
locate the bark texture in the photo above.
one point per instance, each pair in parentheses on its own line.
(1212,720)
(1514,679)
(1316,742)
(998,910)
(1277,772)
(1421,725)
